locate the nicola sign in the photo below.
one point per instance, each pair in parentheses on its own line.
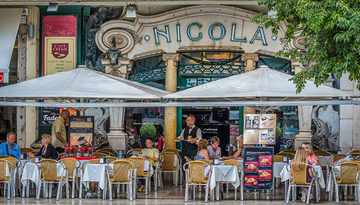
(216,32)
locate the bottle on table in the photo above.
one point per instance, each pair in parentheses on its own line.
(120,154)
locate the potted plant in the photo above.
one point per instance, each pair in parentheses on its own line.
(278,134)
(147,130)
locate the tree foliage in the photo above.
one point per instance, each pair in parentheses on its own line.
(332,32)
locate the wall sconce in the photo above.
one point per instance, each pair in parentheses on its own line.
(53,7)
(31,31)
(131,11)
(113,53)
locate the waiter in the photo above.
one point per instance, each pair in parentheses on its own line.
(189,148)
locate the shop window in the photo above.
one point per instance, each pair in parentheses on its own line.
(279,64)
(148,69)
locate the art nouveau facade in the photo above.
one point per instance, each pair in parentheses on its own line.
(173,47)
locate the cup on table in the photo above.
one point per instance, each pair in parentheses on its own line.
(102,160)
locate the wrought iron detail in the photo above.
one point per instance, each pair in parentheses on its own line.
(211,69)
(151,75)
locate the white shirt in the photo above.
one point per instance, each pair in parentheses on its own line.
(198,134)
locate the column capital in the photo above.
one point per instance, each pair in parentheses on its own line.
(250,56)
(120,70)
(171,56)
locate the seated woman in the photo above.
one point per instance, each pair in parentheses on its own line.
(202,150)
(297,164)
(214,149)
(310,155)
(239,152)
(47,151)
(149,153)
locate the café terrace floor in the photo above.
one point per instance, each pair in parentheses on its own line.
(173,196)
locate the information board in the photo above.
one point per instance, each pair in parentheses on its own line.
(258,168)
(81,129)
(259,128)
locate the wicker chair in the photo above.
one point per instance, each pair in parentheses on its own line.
(141,174)
(348,177)
(111,150)
(4,177)
(337,157)
(49,176)
(25,150)
(176,151)
(98,154)
(232,162)
(110,159)
(298,179)
(14,166)
(321,153)
(195,176)
(187,159)
(94,161)
(62,155)
(289,154)
(106,153)
(288,151)
(168,165)
(278,158)
(122,174)
(355,155)
(73,166)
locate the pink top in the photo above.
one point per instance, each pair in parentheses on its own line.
(312,158)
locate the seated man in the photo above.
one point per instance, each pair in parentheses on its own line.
(10,147)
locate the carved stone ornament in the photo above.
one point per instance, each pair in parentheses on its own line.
(124,40)
(171,56)
(299,42)
(247,56)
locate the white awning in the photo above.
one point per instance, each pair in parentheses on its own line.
(9,25)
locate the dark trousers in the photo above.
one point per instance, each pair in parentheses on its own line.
(190,155)
(142,181)
(60,150)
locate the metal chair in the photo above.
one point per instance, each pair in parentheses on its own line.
(348,177)
(106,153)
(111,150)
(6,177)
(232,162)
(187,159)
(169,166)
(98,154)
(122,174)
(110,159)
(176,151)
(15,164)
(321,153)
(73,166)
(141,174)
(49,176)
(195,176)
(298,179)
(25,150)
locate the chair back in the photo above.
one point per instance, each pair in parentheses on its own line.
(62,155)
(25,150)
(136,150)
(3,162)
(187,159)
(299,176)
(278,158)
(13,161)
(288,151)
(168,163)
(107,149)
(140,162)
(122,170)
(98,154)
(232,162)
(348,172)
(94,161)
(337,157)
(355,155)
(205,160)
(176,151)
(70,164)
(106,153)
(3,156)
(48,169)
(110,159)
(321,153)
(196,171)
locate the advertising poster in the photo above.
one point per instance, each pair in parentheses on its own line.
(49,115)
(259,128)
(258,168)
(81,130)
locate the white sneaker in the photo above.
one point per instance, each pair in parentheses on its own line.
(303,196)
(311,196)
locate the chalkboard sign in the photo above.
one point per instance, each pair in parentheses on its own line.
(49,115)
(81,130)
(258,168)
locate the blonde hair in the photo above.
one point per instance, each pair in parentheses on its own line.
(309,147)
(240,138)
(202,144)
(47,138)
(215,139)
(299,159)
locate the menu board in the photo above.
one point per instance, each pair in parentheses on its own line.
(258,166)
(259,128)
(81,130)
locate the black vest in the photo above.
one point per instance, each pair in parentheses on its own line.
(187,147)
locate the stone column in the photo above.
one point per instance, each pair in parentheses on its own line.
(21,76)
(117,137)
(250,60)
(304,115)
(170,115)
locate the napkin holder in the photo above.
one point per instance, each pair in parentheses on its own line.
(102,160)
(37,159)
(285,159)
(23,156)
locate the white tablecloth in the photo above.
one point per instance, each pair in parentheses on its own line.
(22,164)
(223,173)
(31,172)
(285,174)
(278,167)
(240,165)
(95,173)
(326,160)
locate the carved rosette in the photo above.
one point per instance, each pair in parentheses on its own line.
(299,42)
(175,57)
(124,41)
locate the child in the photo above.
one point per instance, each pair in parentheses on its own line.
(150,153)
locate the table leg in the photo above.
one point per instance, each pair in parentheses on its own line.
(242,187)
(155,180)
(217,191)
(286,187)
(317,190)
(23,191)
